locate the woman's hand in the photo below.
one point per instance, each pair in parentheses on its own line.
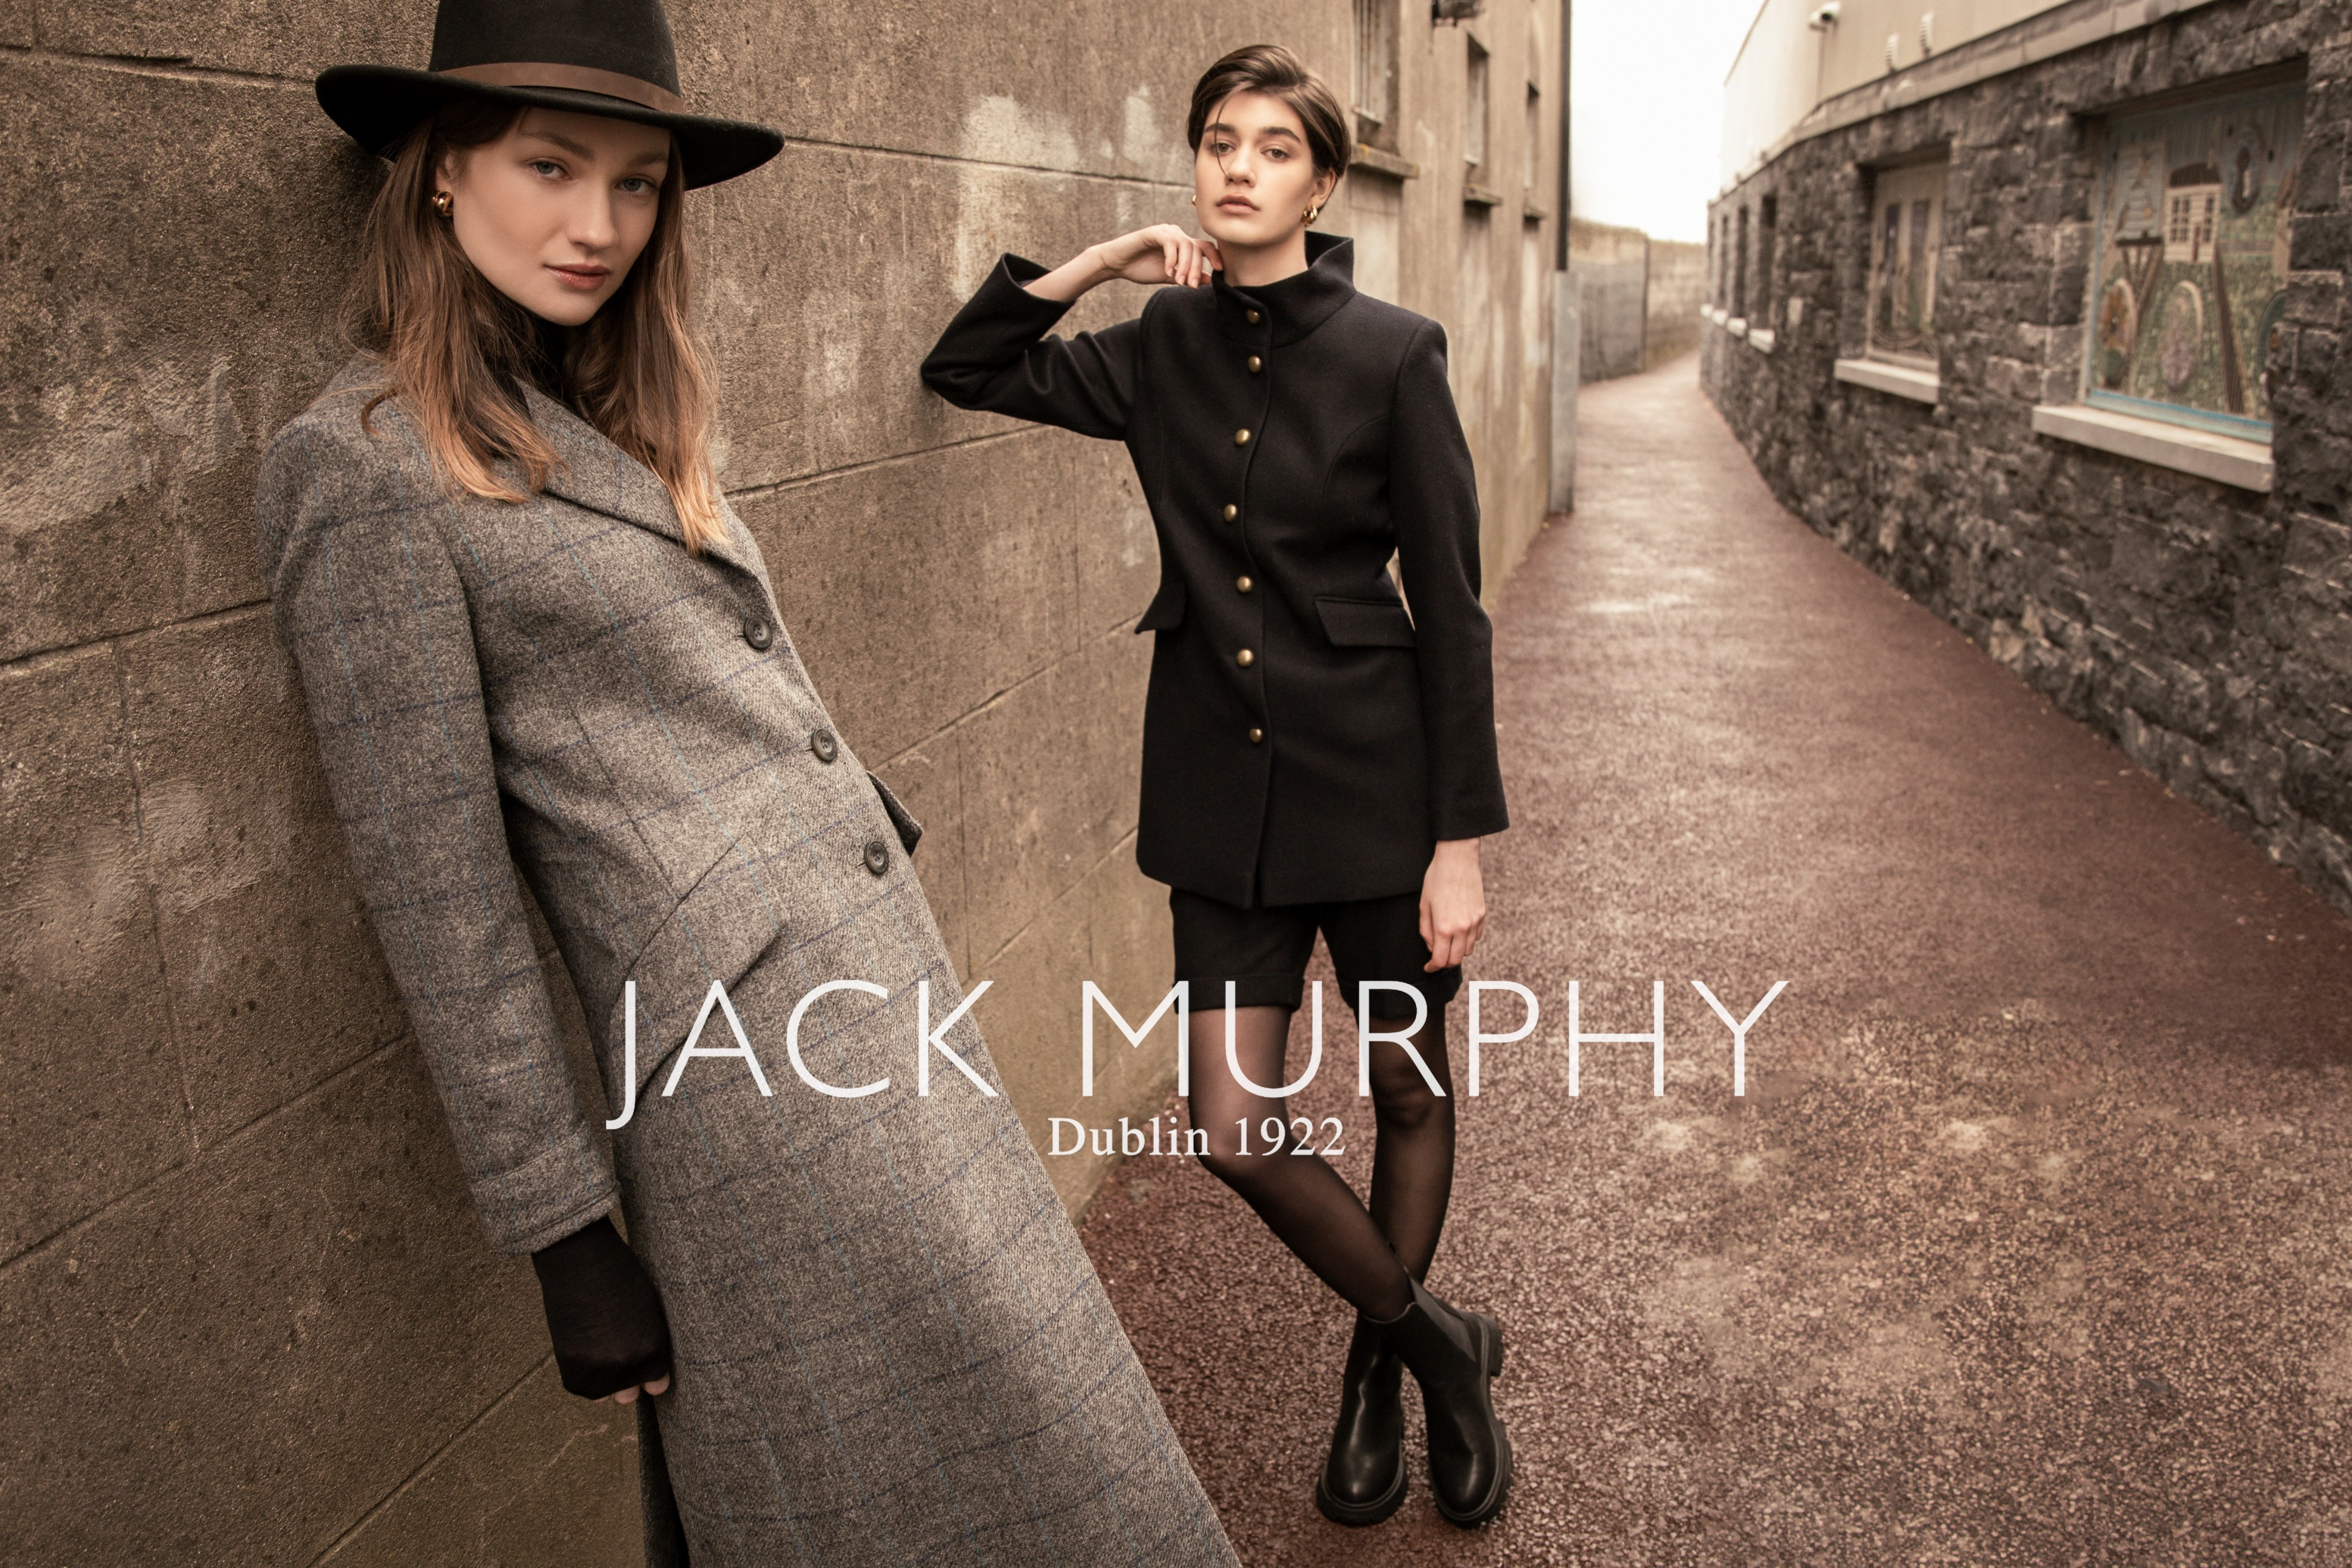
(605,1315)
(1452,903)
(1161,254)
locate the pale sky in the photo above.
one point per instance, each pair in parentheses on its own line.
(1645,104)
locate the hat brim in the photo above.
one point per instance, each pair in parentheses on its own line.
(378,105)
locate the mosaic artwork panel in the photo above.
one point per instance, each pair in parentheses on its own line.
(2193,226)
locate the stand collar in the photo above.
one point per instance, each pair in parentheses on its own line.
(1289,310)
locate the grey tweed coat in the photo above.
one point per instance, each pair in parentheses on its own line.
(889,1345)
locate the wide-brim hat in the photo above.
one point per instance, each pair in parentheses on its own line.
(590,56)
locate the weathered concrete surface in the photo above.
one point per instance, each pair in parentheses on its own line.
(1639,297)
(1611,268)
(2204,628)
(1677,288)
(2025,1245)
(251,1318)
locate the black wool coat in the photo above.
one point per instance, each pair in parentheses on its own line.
(1304,737)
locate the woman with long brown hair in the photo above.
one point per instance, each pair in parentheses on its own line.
(542,651)
(1316,756)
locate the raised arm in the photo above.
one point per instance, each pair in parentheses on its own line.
(371,607)
(995,354)
(1434,500)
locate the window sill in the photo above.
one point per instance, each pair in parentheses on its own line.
(1735,325)
(1897,380)
(2226,460)
(1533,213)
(1761,339)
(1381,161)
(1477,196)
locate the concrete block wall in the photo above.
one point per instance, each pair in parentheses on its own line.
(2207,629)
(1638,297)
(252,1316)
(1677,288)
(1611,268)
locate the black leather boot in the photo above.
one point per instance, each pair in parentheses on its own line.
(1454,1355)
(1363,1480)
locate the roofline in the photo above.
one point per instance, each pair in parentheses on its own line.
(1745,39)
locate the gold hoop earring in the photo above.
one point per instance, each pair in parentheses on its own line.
(1313,212)
(1192,200)
(442,204)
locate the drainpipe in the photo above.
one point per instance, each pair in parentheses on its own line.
(1566,319)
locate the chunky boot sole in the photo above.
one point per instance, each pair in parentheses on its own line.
(1357,1515)
(1488,1333)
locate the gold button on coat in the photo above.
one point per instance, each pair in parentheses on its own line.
(1243,584)
(1256,364)
(1253,318)
(1245,658)
(1241,438)
(1256,734)
(1231,511)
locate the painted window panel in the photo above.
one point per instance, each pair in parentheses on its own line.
(2194,206)
(1906,243)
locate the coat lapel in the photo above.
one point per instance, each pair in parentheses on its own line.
(591,472)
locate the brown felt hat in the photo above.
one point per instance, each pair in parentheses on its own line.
(590,56)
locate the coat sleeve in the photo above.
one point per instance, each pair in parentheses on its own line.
(1433,502)
(995,356)
(369,603)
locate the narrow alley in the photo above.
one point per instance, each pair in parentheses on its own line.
(2025,1244)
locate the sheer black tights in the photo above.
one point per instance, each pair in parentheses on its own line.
(1363,1254)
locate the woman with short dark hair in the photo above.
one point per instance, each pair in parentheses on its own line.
(538,646)
(1315,756)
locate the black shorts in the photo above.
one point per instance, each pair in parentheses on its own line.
(1264,951)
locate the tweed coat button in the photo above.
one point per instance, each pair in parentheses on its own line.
(1241,438)
(1245,658)
(1253,318)
(1256,364)
(758,633)
(1243,584)
(1231,511)
(826,747)
(877,857)
(1256,734)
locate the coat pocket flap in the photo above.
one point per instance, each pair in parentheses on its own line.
(1167,607)
(1365,623)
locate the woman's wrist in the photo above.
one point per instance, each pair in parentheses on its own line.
(1073,278)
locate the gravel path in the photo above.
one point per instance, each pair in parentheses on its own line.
(2030,1241)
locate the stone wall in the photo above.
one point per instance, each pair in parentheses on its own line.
(250,1313)
(2203,627)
